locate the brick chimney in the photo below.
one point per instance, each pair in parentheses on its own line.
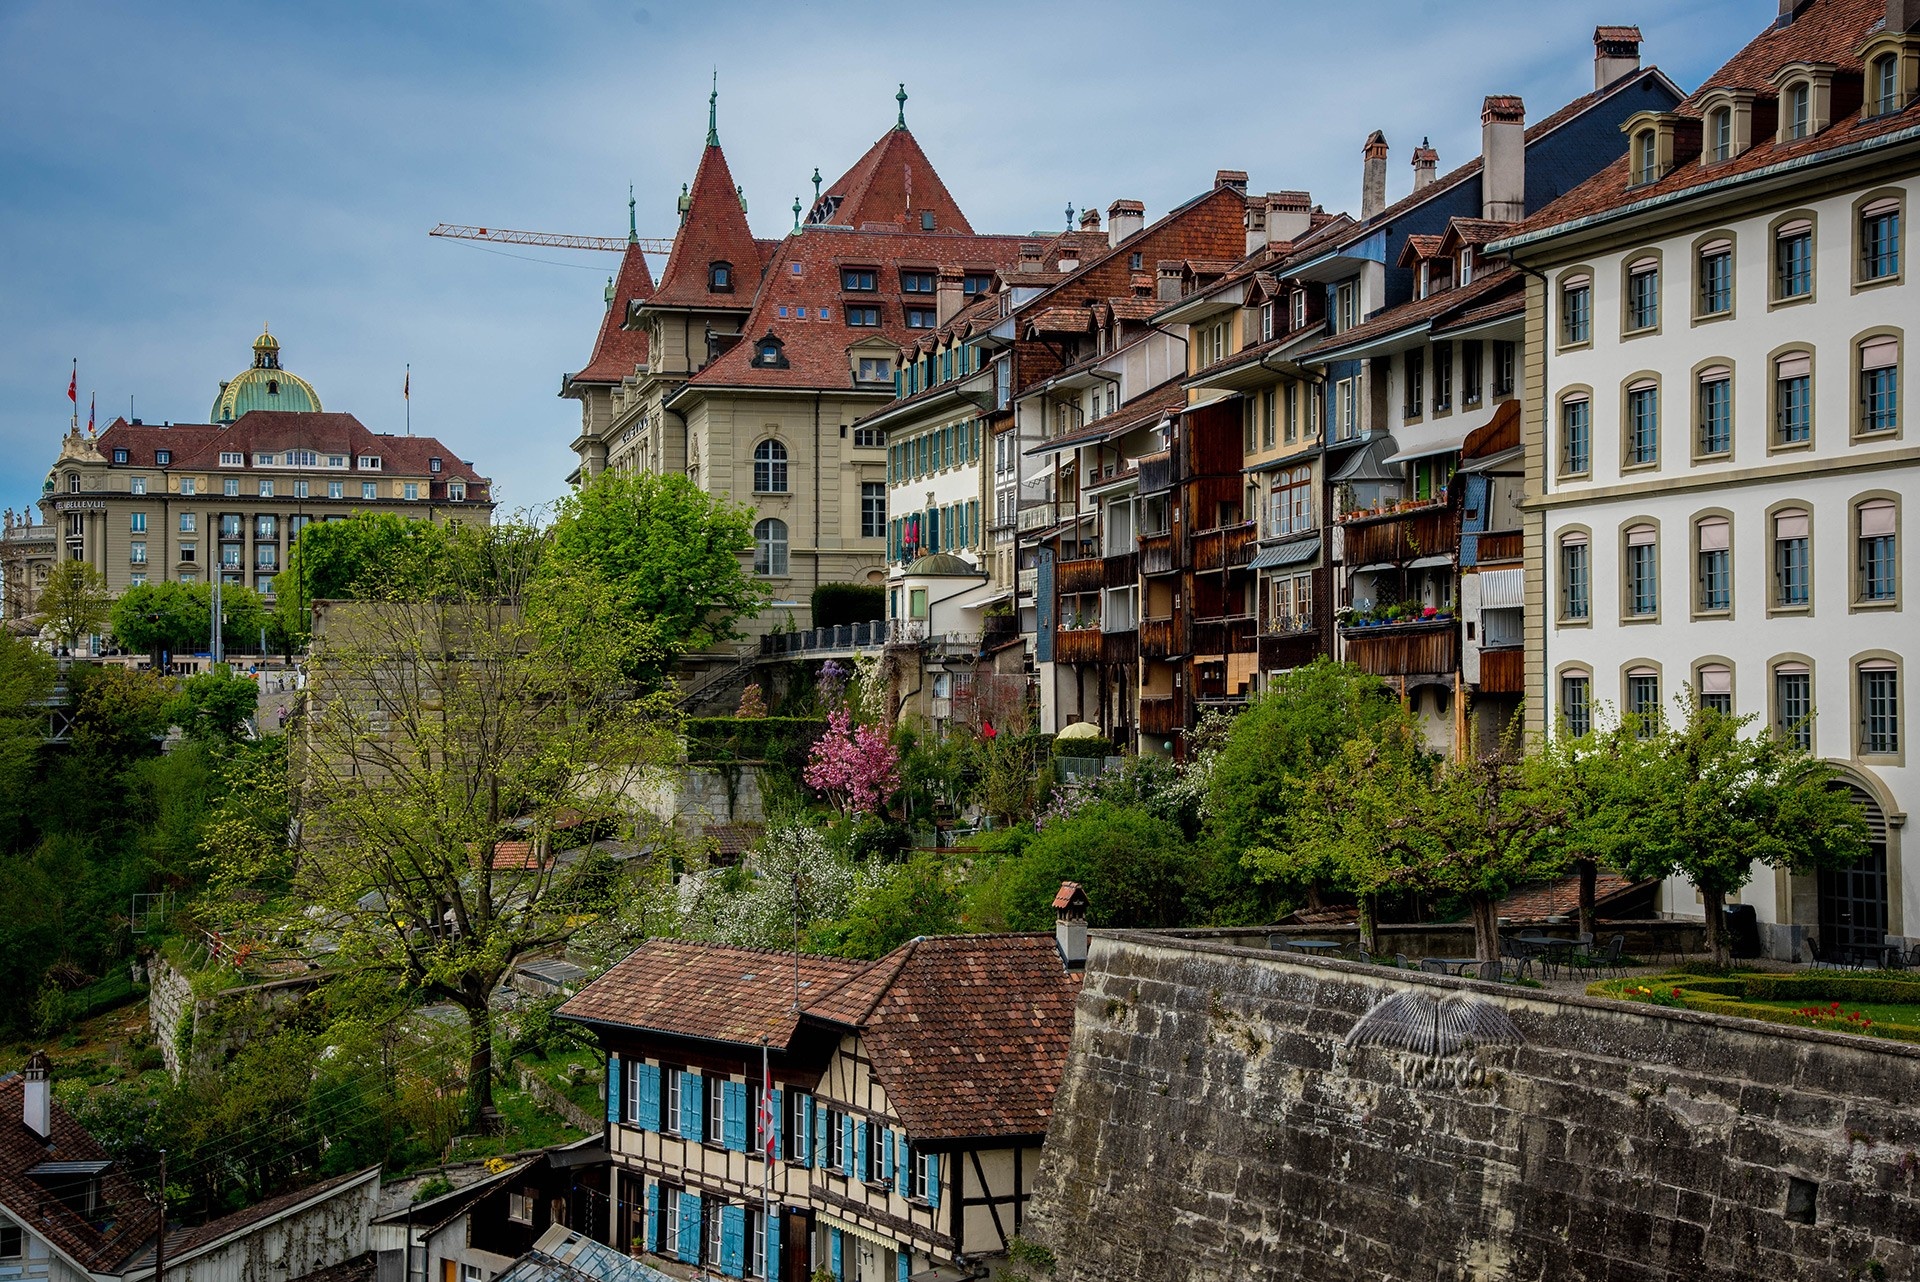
(1032,253)
(1070,925)
(1289,216)
(1234,178)
(1789,10)
(37,1110)
(1503,159)
(1426,163)
(1373,176)
(1124,217)
(1616,53)
(1903,15)
(1173,274)
(951,295)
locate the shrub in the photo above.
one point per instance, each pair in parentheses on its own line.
(777,739)
(837,603)
(1097,746)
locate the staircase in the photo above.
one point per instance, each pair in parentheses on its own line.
(720,688)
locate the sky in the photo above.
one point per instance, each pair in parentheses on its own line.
(172,177)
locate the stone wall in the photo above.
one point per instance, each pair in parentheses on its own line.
(1234,1114)
(171,1011)
(695,795)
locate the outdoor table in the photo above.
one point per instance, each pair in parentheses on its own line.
(1877,953)
(1317,945)
(1454,965)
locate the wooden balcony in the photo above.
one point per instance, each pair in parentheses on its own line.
(1162,716)
(1502,671)
(1385,540)
(1224,636)
(1156,554)
(1120,647)
(1406,650)
(1077,645)
(1503,545)
(1121,571)
(1160,638)
(1075,577)
(1224,548)
(1290,650)
(1158,472)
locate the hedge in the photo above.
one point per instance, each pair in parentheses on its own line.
(1724,996)
(776,739)
(1083,747)
(837,603)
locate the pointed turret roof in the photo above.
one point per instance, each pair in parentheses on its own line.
(618,351)
(712,230)
(893,183)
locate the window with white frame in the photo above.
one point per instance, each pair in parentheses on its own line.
(1290,603)
(1346,409)
(369,490)
(188,521)
(1797,110)
(1713,688)
(770,548)
(411,491)
(233,458)
(266,489)
(1641,585)
(137,551)
(231,487)
(137,485)
(873,509)
(137,522)
(1720,134)
(770,467)
(672,1086)
(520,1206)
(1346,306)
(1291,510)
(188,485)
(714,1109)
(1792,562)
(1576,701)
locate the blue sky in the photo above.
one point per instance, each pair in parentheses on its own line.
(173,176)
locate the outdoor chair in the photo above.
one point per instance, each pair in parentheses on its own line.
(1608,959)
(1518,956)
(1280,944)
(1824,959)
(1401,961)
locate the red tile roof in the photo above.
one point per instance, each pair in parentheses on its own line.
(1434,309)
(513,854)
(618,350)
(714,230)
(894,183)
(128,1219)
(1150,406)
(1555,898)
(1825,31)
(197,447)
(709,991)
(182,1239)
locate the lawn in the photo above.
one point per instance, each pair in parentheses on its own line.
(1875,1004)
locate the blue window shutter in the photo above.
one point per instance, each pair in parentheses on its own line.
(650,1231)
(859,1148)
(733,1132)
(817,1136)
(693,1098)
(833,1244)
(613,1082)
(688,1245)
(903,1267)
(886,1144)
(933,1179)
(647,1080)
(733,1240)
(770,1267)
(846,1144)
(903,1167)
(779,1109)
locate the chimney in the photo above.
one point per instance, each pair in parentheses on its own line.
(1373,176)
(952,295)
(1256,224)
(1289,216)
(1070,925)
(1234,178)
(1124,217)
(1172,273)
(37,1111)
(1089,220)
(1030,255)
(1503,159)
(1616,53)
(1789,10)
(1426,162)
(1903,15)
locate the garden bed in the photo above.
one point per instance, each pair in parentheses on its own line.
(1875,1004)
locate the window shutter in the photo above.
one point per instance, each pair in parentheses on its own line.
(817,1141)
(687,1236)
(650,1231)
(933,1180)
(693,1100)
(1879,353)
(733,1240)
(846,1144)
(902,1167)
(860,1149)
(779,1118)
(647,1079)
(833,1252)
(886,1155)
(733,1121)
(770,1267)
(613,1088)
(903,1266)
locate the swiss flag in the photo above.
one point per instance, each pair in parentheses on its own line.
(73,386)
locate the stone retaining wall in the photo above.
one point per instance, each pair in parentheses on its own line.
(1215,1122)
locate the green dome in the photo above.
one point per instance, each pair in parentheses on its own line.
(942,565)
(265,386)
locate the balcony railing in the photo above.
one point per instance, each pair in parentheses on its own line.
(1120,647)
(1224,636)
(26,533)
(1386,540)
(846,636)
(1158,472)
(1156,554)
(1223,548)
(1038,517)
(1288,625)
(1407,650)
(1162,715)
(1160,638)
(1026,581)
(1121,571)
(1077,645)
(1502,671)
(1086,575)
(1503,545)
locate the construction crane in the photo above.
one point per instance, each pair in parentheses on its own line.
(553,240)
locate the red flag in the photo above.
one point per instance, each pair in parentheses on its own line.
(406,387)
(766,1119)
(91,401)
(73,386)
(987,731)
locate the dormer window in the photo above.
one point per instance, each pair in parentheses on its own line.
(433,464)
(119,456)
(770,353)
(1799,113)
(1720,134)
(1646,157)
(720,278)
(1466,265)
(917,282)
(163,457)
(370,462)
(857,280)
(1806,99)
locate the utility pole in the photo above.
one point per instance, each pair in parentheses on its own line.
(216,650)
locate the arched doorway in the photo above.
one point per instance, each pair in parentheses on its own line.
(1853,901)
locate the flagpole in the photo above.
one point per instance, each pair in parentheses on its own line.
(406,394)
(766,1166)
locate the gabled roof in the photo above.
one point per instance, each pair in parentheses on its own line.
(183,1241)
(1434,309)
(198,447)
(1157,403)
(713,230)
(1824,31)
(893,183)
(617,350)
(713,992)
(127,1219)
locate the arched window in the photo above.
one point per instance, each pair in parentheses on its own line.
(273,387)
(1793,703)
(720,278)
(1714,400)
(1576,573)
(770,467)
(1576,700)
(1713,688)
(1643,699)
(73,482)
(1792,562)
(1793,398)
(1646,153)
(1880,239)
(1642,578)
(1793,259)
(1643,423)
(770,548)
(1880,383)
(1877,552)
(1576,435)
(1713,551)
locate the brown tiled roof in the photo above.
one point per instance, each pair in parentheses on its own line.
(1060,320)
(969,1035)
(893,183)
(1423,310)
(816,350)
(618,350)
(733,839)
(141,440)
(512,854)
(1827,31)
(1616,33)
(708,991)
(1512,303)
(714,230)
(182,1239)
(127,1220)
(1535,903)
(1160,401)
(197,448)
(1418,247)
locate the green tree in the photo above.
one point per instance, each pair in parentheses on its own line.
(163,618)
(1713,800)
(1276,745)
(26,677)
(75,602)
(244,838)
(668,554)
(897,903)
(1134,867)
(214,705)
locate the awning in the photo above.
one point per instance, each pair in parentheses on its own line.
(1298,552)
(865,1235)
(1445,443)
(984,602)
(1430,562)
(1206,399)
(1494,462)
(1503,589)
(1369,464)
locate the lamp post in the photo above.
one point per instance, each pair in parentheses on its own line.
(215,650)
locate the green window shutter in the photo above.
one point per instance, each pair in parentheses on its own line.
(613,1074)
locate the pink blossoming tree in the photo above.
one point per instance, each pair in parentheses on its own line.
(854,765)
